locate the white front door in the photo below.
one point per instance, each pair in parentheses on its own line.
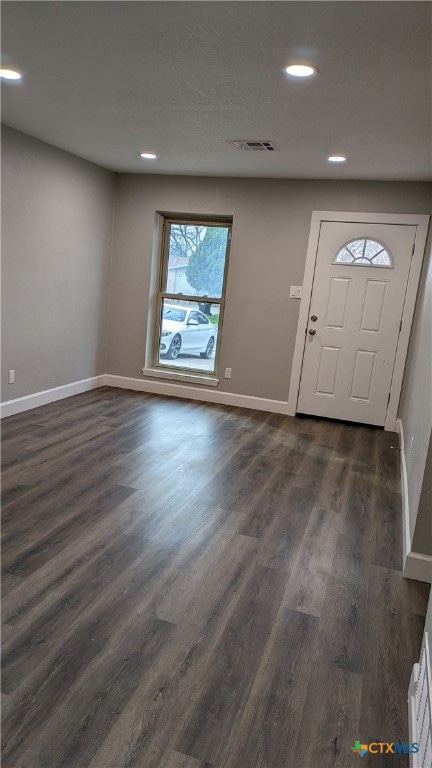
(357,301)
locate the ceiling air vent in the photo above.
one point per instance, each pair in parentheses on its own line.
(256,146)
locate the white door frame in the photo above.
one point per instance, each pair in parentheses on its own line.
(422,224)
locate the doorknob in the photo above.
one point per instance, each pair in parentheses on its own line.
(314,318)
(312,331)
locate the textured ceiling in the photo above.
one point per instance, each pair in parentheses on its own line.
(106,80)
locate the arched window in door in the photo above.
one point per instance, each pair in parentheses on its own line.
(364,251)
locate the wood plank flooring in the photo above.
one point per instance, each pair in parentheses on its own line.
(198,586)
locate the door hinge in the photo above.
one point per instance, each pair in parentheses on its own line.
(388,399)
(400,326)
(413,249)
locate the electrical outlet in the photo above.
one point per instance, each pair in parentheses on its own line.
(295,291)
(228,372)
(11,377)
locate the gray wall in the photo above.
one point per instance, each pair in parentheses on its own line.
(416,407)
(268,251)
(56,249)
(428,622)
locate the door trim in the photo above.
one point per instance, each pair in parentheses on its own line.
(421,222)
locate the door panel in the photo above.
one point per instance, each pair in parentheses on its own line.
(363,374)
(327,372)
(358,296)
(337,302)
(373,307)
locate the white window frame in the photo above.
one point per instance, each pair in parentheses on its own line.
(161,256)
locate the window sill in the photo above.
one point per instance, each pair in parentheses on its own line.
(187,378)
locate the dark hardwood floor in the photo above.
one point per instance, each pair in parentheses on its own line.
(188,585)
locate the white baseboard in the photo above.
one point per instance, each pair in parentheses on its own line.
(418,567)
(415,565)
(196,393)
(156,387)
(20,404)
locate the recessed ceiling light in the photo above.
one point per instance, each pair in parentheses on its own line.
(148,155)
(337,159)
(300,70)
(10,74)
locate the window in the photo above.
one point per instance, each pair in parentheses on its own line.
(364,251)
(191,294)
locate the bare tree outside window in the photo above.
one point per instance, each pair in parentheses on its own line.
(185,238)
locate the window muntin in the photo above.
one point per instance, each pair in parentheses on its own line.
(191,288)
(364,251)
